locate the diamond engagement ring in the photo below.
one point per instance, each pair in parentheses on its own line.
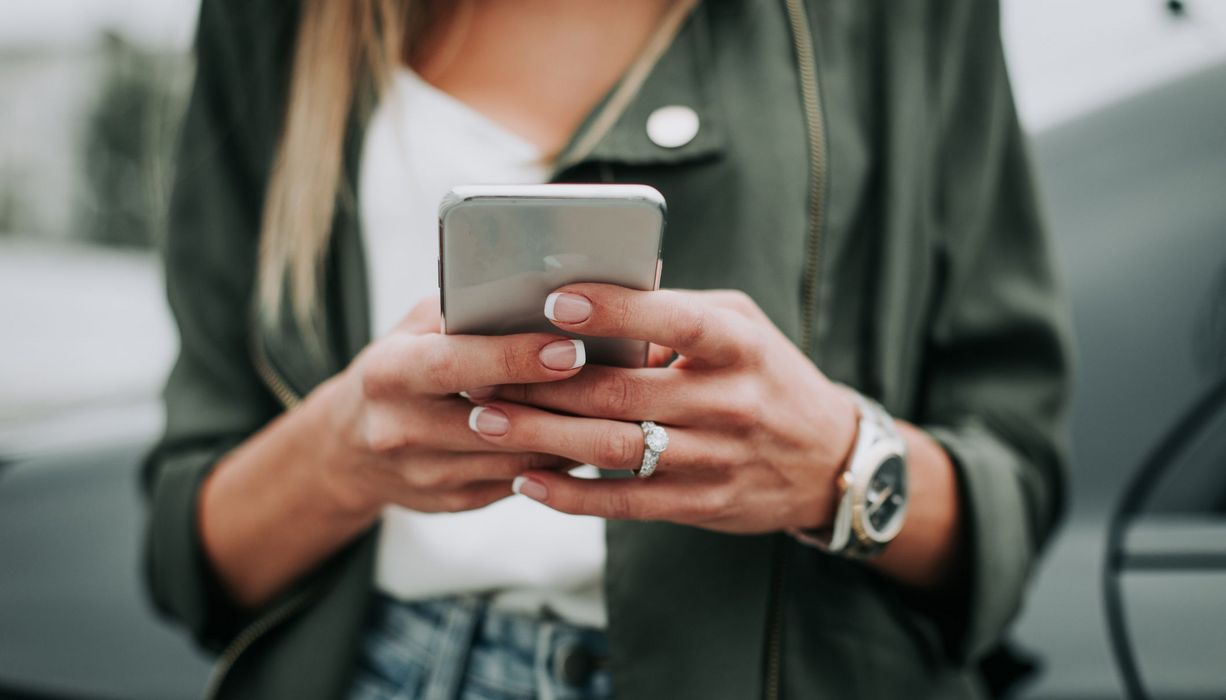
(655,441)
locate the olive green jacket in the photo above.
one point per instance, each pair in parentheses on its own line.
(858,170)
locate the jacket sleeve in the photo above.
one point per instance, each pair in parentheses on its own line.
(997,357)
(213,398)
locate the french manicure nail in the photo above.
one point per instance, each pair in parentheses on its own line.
(564,354)
(481,393)
(488,421)
(567,308)
(529,487)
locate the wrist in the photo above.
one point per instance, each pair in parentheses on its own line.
(871,502)
(330,416)
(846,428)
(849,427)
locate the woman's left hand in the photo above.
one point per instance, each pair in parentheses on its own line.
(757,434)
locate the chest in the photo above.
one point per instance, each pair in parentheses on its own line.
(752,204)
(538,68)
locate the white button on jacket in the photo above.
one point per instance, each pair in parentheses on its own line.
(672,126)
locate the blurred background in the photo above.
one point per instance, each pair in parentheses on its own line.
(1126,104)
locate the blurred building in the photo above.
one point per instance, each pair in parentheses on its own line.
(89,135)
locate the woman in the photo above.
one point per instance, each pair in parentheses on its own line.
(855,173)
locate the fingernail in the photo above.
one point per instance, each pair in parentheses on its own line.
(567,308)
(529,487)
(479,394)
(564,354)
(488,421)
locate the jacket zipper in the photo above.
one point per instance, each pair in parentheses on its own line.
(248,636)
(263,366)
(806,60)
(774,640)
(289,399)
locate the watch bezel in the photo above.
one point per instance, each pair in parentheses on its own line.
(870,461)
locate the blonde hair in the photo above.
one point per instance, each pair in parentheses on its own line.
(339,44)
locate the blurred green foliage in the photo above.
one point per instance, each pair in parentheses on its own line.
(128,144)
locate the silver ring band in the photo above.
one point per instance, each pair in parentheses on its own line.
(655,441)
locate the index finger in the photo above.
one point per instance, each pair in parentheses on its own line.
(674,319)
(448,364)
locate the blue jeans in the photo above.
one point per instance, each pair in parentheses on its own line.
(460,649)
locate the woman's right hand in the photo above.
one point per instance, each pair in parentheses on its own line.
(401,428)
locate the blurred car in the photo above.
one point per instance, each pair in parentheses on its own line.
(1136,199)
(1136,194)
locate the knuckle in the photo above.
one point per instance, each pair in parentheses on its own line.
(716,503)
(377,441)
(690,325)
(520,358)
(738,302)
(621,449)
(615,395)
(616,505)
(743,303)
(621,312)
(742,408)
(512,357)
(429,479)
(720,502)
(374,378)
(438,363)
(527,461)
(752,352)
(382,436)
(752,409)
(371,382)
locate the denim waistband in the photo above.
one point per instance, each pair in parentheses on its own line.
(459,647)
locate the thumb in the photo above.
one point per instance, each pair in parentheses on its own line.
(424,318)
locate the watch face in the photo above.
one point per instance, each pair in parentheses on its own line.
(886,497)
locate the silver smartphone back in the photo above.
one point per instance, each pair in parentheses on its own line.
(504,248)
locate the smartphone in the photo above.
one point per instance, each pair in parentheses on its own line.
(504,248)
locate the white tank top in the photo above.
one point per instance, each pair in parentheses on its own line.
(420,143)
